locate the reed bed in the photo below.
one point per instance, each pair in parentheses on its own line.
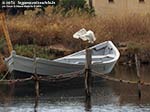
(51,29)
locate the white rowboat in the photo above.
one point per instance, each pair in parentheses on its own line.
(104,57)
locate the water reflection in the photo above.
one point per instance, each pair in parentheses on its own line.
(69,96)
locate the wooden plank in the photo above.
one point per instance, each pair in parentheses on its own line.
(6,33)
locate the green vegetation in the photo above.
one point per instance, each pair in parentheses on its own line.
(42,52)
(69,4)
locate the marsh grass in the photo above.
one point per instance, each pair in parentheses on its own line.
(2,65)
(50,29)
(38,51)
(42,29)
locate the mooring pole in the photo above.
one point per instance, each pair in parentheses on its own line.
(137,63)
(6,33)
(37,95)
(88,72)
(88,104)
(36,82)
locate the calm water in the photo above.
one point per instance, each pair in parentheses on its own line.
(69,97)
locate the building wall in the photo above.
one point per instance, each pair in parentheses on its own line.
(121,7)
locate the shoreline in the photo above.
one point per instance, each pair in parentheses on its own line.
(129,50)
(127,56)
(131,36)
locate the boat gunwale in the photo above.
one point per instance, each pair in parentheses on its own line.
(45,61)
(116,57)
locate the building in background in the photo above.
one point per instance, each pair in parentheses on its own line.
(112,7)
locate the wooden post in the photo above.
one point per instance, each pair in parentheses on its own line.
(6,33)
(88,105)
(88,73)
(36,82)
(137,63)
(37,95)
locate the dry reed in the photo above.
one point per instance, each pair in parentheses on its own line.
(54,28)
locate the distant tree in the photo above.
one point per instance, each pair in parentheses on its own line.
(14,11)
(69,4)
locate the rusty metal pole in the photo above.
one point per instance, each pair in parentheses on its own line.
(6,33)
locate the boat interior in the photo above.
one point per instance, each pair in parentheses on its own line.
(100,53)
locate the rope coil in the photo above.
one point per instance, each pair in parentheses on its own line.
(15,80)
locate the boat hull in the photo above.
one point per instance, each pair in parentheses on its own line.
(50,68)
(40,66)
(104,57)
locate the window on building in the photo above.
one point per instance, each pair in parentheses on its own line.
(141,1)
(111,1)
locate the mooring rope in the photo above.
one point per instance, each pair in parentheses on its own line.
(4,75)
(61,77)
(68,76)
(12,81)
(56,80)
(97,74)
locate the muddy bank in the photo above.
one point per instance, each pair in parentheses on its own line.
(128,54)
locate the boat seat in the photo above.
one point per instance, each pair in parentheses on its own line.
(93,57)
(99,48)
(79,62)
(96,62)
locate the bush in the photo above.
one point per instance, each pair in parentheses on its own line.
(69,4)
